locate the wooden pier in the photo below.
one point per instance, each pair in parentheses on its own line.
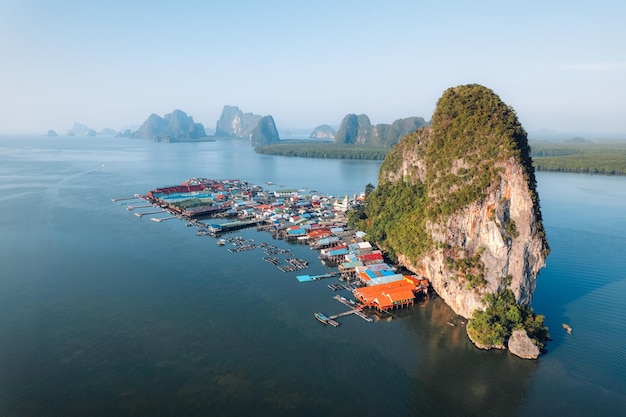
(131,208)
(160,219)
(332,322)
(150,212)
(356,309)
(135,197)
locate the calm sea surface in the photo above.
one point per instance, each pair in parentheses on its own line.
(103,313)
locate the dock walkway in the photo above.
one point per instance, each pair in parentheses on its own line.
(356,309)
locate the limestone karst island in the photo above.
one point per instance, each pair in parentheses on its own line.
(456,205)
(456,202)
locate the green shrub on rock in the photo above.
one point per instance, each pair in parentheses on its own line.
(494,326)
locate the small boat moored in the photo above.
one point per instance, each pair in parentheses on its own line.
(326,320)
(321,317)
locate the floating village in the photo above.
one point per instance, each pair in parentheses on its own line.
(219,208)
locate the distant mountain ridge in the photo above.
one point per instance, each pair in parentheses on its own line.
(358,130)
(233,122)
(173,127)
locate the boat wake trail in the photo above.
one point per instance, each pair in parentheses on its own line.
(50,197)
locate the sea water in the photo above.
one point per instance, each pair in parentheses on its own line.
(104,313)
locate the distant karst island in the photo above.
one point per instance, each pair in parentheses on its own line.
(173,127)
(260,130)
(79,129)
(355,138)
(235,123)
(323,132)
(358,130)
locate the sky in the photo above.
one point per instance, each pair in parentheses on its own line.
(110,64)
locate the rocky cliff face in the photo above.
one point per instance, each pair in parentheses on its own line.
(482,212)
(510,259)
(234,122)
(265,132)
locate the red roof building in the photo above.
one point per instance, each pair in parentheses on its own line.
(368,258)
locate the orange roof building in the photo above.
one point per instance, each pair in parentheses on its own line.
(387,296)
(318,233)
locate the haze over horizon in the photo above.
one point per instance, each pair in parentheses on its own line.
(560,65)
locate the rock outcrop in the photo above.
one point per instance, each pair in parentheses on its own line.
(108,132)
(52,133)
(476,224)
(174,127)
(358,130)
(521,345)
(78,129)
(265,132)
(233,122)
(323,132)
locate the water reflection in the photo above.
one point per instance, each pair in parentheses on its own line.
(456,378)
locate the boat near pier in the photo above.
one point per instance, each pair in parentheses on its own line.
(326,320)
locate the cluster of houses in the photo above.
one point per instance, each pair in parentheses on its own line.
(306,217)
(375,283)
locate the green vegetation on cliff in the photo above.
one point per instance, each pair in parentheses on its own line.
(472,131)
(494,326)
(394,216)
(468,268)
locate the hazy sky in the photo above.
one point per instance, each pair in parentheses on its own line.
(560,64)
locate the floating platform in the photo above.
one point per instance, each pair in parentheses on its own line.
(336,287)
(306,278)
